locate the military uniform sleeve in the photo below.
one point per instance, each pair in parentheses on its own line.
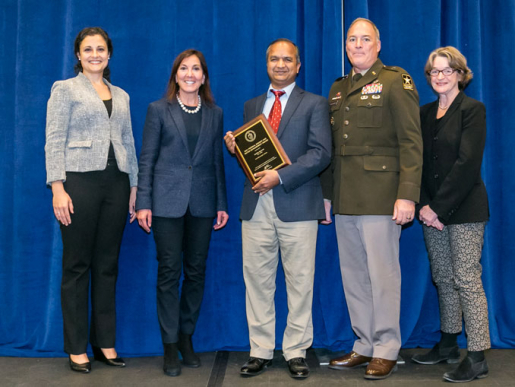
(326,177)
(405,111)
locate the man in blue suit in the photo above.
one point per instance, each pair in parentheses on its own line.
(281,212)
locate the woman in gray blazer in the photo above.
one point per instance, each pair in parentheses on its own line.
(92,169)
(454,211)
(181,190)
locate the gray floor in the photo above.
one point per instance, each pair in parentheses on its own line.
(147,372)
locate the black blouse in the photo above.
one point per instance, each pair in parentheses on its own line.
(109,106)
(192,123)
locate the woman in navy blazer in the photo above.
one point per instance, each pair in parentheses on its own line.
(454,211)
(181,191)
(92,168)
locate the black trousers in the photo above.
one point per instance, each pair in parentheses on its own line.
(91,244)
(174,236)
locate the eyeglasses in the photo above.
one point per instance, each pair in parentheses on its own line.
(447,71)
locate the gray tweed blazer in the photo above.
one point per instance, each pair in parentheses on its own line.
(79,130)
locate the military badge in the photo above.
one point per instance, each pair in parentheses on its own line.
(372,88)
(407,82)
(332,120)
(337,96)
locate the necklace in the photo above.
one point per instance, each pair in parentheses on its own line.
(186,109)
(442,107)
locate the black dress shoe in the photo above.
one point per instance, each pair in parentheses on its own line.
(172,365)
(85,368)
(467,371)
(298,368)
(255,366)
(438,354)
(185,346)
(99,356)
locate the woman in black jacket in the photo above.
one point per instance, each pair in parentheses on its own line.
(454,211)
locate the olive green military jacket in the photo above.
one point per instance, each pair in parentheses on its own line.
(377,142)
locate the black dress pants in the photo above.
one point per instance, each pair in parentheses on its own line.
(91,244)
(174,236)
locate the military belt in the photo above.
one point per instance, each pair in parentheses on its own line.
(346,150)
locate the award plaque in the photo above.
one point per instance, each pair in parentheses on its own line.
(258,149)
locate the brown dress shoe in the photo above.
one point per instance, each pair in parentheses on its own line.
(380,368)
(348,361)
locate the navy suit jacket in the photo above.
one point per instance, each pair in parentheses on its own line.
(305,135)
(170,178)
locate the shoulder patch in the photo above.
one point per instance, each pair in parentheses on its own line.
(407,82)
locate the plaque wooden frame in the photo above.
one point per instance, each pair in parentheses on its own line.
(258,148)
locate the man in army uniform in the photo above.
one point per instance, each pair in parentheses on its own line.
(375,173)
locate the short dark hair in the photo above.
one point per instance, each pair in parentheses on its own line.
(297,55)
(205,90)
(92,31)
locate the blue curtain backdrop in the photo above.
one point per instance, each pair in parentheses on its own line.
(36,50)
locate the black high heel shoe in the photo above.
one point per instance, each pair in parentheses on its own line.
(99,356)
(85,368)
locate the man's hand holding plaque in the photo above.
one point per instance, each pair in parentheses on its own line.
(258,150)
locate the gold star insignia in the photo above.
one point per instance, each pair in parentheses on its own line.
(407,82)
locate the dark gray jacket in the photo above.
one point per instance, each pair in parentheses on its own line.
(170,178)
